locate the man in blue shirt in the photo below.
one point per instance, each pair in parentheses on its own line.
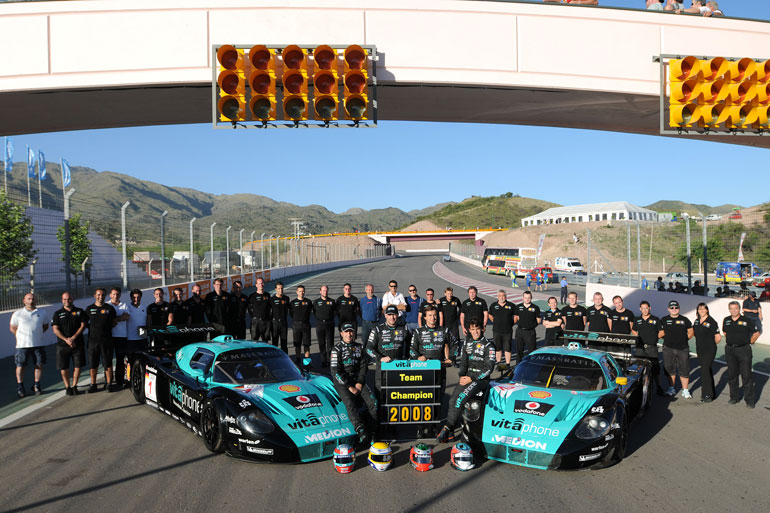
(371,307)
(413,301)
(564,290)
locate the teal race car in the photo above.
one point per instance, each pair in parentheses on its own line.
(563,407)
(245,398)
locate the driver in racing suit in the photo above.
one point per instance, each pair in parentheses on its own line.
(476,363)
(348,370)
(387,342)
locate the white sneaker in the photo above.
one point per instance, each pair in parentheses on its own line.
(686,394)
(671,392)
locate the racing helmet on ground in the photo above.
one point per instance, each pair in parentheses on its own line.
(421,457)
(380,456)
(462,457)
(344,459)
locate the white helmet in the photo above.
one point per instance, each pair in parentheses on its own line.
(380,456)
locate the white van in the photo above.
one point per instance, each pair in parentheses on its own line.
(568,264)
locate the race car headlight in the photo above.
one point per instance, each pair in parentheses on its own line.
(255,422)
(472,410)
(592,427)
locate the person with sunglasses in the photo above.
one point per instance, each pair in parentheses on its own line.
(395,298)
(414,301)
(676,331)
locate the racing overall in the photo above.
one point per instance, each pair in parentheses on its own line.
(477,361)
(259,311)
(386,340)
(324,309)
(348,368)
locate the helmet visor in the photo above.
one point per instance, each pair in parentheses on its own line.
(380,458)
(345,459)
(463,458)
(422,459)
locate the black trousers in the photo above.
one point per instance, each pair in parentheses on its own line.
(707,351)
(300,336)
(260,329)
(324,332)
(739,365)
(564,294)
(651,351)
(526,342)
(351,404)
(461,396)
(280,333)
(121,349)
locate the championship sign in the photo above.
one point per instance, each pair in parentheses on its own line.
(410,391)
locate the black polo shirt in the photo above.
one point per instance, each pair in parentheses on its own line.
(216,307)
(621,322)
(528,316)
(473,309)
(348,308)
(434,304)
(705,331)
(100,321)
(69,323)
(597,318)
(738,332)
(552,316)
(157,314)
(259,306)
(451,311)
(237,304)
(279,307)
(503,314)
(647,329)
(574,318)
(300,310)
(324,309)
(181,311)
(196,310)
(675,331)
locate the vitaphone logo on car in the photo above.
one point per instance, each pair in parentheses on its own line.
(183,400)
(520,425)
(313,420)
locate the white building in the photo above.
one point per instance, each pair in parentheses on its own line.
(613,211)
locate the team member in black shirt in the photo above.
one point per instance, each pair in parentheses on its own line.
(159,313)
(300,309)
(68,325)
(740,333)
(101,319)
(574,314)
(279,309)
(527,318)
(216,306)
(707,337)
(501,313)
(647,327)
(429,301)
(621,317)
(598,316)
(450,312)
(324,309)
(237,304)
(348,308)
(553,321)
(179,308)
(676,331)
(196,309)
(259,311)
(473,308)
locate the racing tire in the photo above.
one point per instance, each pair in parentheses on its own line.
(211,428)
(137,381)
(620,447)
(646,396)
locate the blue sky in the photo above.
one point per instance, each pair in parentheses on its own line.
(412,165)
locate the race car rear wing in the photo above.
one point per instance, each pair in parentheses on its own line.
(171,338)
(620,346)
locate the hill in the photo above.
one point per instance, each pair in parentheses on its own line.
(690,208)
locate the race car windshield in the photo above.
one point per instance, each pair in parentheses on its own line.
(254,366)
(560,372)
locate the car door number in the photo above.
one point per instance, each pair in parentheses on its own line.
(149,386)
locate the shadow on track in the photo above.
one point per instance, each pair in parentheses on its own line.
(67,418)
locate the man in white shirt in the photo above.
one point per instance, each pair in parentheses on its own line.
(137,316)
(394,297)
(28,326)
(119,334)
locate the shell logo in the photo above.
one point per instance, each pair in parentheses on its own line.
(539,394)
(292,388)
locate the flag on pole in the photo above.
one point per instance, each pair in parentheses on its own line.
(31,162)
(41,164)
(8,154)
(740,247)
(66,174)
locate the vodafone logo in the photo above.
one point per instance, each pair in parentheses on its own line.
(532,405)
(303,399)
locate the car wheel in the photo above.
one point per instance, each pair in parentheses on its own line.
(211,428)
(646,393)
(137,381)
(622,439)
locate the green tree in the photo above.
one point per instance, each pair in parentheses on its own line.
(15,239)
(714,246)
(80,244)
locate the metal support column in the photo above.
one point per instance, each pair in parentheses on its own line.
(192,255)
(163,248)
(124,264)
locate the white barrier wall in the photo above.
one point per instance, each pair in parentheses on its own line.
(467,260)
(8,341)
(659,303)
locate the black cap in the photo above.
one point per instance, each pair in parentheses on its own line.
(391,309)
(673,303)
(752,293)
(348,326)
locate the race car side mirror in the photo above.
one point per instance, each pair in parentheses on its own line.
(307,362)
(622,381)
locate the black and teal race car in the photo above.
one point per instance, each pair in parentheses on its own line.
(563,407)
(245,398)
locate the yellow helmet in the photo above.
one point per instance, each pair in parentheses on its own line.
(380,456)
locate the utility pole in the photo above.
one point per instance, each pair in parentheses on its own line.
(211,255)
(163,248)
(192,272)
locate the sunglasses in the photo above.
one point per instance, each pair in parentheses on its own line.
(673,308)
(412,290)
(392,286)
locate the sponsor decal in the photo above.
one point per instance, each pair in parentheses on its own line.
(229,419)
(597,409)
(532,408)
(247,441)
(259,450)
(327,435)
(183,399)
(589,457)
(234,431)
(244,403)
(508,389)
(599,447)
(539,394)
(609,437)
(301,402)
(289,388)
(313,420)
(516,441)
(520,425)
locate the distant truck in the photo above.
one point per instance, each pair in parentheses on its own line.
(736,272)
(568,264)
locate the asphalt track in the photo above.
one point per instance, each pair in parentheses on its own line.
(103,452)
